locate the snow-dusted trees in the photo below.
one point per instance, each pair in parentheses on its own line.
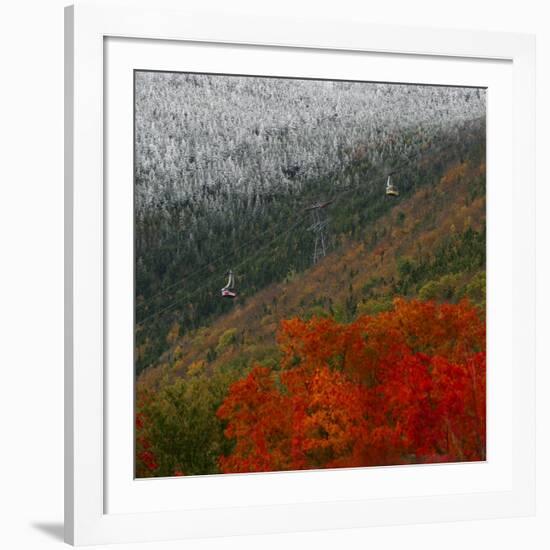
(204,138)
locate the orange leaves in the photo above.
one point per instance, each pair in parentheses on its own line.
(454,174)
(399,387)
(314,420)
(331,425)
(259,421)
(313,343)
(453,331)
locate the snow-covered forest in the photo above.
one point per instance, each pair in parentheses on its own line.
(200,138)
(221,159)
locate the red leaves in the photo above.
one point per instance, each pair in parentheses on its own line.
(315,420)
(146,461)
(399,387)
(260,422)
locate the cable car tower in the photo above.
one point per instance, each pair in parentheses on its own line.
(319,228)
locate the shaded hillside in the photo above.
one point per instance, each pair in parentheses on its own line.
(430,244)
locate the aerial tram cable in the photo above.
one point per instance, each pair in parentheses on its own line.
(391,190)
(318,226)
(322,248)
(208,284)
(215,261)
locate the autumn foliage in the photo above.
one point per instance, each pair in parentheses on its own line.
(404,386)
(146,460)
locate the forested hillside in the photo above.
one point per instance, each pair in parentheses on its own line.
(430,245)
(225,168)
(216,402)
(369,353)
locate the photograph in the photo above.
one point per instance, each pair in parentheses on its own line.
(309,274)
(285,267)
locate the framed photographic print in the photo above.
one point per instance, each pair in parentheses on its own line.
(299,274)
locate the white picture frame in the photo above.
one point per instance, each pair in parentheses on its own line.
(92,432)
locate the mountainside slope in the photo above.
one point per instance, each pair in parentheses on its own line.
(225,163)
(430,244)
